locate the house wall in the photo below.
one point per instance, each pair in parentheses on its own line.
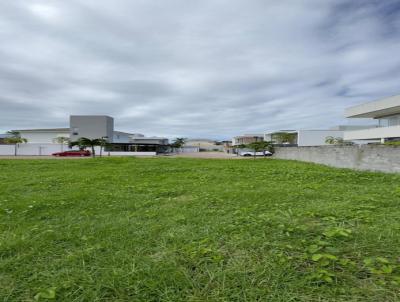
(204,145)
(316,137)
(48,149)
(32,149)
(42,137)
(119,137)
(91,126)
(373,133)
(363,157)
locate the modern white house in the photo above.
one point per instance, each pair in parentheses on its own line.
(45,141)
(386,111)
(316,137)
(304,138)
(247,139)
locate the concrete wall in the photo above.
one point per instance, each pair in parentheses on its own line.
(363,157)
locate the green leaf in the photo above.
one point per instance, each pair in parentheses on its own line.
(316,257)
(330,257)
(382,260)
(49,293)
(387,269)
(313,248)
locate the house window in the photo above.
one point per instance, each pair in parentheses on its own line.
(75,131)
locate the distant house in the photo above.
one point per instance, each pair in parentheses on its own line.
(247,139)
(204,144)
(93,127)
(386,111)
(301,138)
(308,137)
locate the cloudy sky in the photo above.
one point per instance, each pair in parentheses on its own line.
(209,68)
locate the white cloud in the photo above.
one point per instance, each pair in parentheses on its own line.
(210,68)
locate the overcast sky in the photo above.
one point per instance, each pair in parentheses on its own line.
(209,68)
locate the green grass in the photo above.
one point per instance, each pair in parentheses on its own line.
(164,229)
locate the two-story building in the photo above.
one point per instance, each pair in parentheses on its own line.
(386,111)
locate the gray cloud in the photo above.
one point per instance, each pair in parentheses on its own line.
(195,68)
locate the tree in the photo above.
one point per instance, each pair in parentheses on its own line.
(103,143)
(330,140)
(260,146)
(337,141)
(285,137)
(85,142)
(62,140)
(178,143)
(15,139)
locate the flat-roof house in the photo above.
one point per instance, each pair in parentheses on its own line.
(386,111)
(302,138)
(96,126)
(247,139)
(204,144)
(43,136)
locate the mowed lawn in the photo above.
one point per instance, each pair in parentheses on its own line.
(173,229)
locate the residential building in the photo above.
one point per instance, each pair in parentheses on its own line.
(44,136)
(204,144)
(93,126)
(386,111)
(247,139)
(302,138)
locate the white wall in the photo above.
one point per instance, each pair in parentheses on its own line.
(42,137)
(48,149)
(130,153)
(121,137)
(373,133)
(32,149)
(316,137)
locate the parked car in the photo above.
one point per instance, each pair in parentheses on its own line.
(73,153)
(251,153)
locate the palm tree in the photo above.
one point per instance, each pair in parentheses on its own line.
(103,143)
(330,140)
(178,143)
(85,142)
(15,139)
(62,140)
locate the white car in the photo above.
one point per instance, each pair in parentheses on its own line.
(251,153)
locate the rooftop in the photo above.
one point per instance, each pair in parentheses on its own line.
(44,130)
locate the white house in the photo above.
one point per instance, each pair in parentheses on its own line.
(303,138)
(386,111)
(44,141)
(44,136)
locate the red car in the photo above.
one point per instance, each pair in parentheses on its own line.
(73,153)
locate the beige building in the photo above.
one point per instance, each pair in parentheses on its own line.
(247,139)
(204,144)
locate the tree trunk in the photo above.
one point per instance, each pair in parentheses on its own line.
(93,155)
(101,149)
(15,149)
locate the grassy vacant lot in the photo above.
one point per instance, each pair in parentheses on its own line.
(165,229)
